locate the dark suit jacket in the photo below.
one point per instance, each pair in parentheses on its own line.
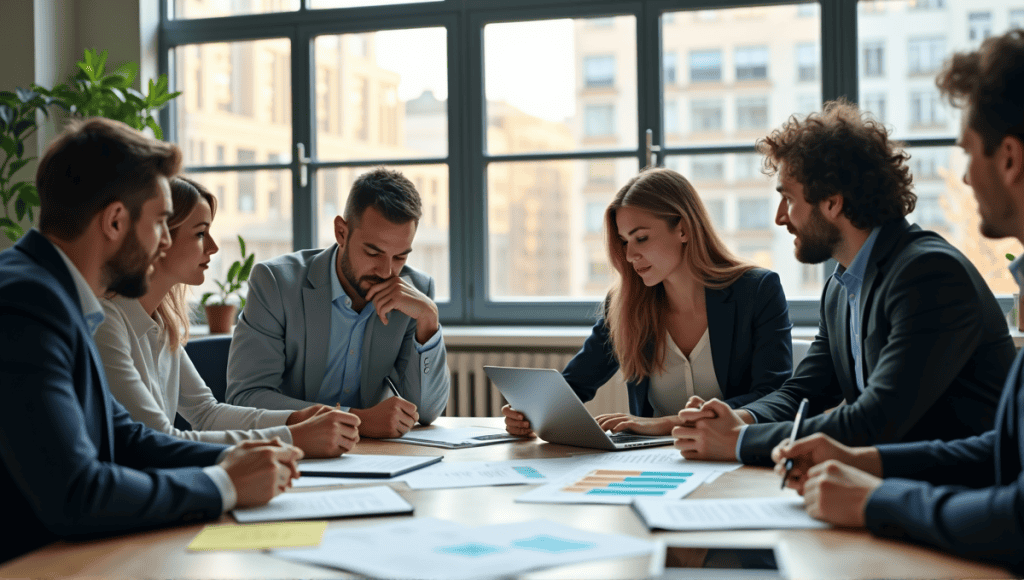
(74,462)
(935,350)
(969,495)
(751,347)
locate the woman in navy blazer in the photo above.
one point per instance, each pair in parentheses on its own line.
(687,320)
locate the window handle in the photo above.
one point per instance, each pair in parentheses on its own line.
(303,161)
(650,148)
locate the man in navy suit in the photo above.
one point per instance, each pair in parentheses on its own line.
(966,496)
(74,462)
(911,342)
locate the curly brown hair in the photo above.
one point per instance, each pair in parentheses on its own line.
(989,82)
(840,150)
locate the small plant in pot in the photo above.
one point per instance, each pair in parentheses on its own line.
(220,313)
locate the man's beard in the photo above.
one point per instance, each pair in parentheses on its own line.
(818,239)
(127,269)
(350,276)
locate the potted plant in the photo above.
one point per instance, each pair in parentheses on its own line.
(90,93)
(220,314)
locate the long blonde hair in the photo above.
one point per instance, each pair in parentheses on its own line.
(173,309)
(635,312)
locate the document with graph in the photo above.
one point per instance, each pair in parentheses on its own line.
(618,484)
(764,513)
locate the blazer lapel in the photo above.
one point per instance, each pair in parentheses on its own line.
(885,243)
(316,306)
(721,319)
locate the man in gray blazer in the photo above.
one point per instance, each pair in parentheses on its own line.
(350,325)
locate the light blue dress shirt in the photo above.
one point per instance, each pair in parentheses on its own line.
(341,383)
(852,279)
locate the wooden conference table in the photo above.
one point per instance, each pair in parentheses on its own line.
(832,553)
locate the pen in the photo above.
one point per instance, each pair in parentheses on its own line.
(792,438)
(391,385)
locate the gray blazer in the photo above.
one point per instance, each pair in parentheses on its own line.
(279,350)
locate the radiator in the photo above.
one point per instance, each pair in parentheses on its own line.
(474,395)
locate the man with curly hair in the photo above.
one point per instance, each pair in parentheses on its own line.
(965,497)
(911,343)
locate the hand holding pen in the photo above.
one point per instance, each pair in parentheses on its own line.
(801,412)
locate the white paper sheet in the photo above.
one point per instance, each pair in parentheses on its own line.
(618,484)
(455,438)
(471,474)
(726,514)
(335,503)
(430,549)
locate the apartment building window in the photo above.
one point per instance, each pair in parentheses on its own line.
(706,115)
(595,217)
(716,211)
(807,62)
(220,155)
(926,109)
(599,120)
(752,63)
(753,213)
(748,166)
(875,103)
(925,163)
(874,59)
(707,168)
(671,117)
(599,71)
(668,70)
(246,182)
(705,66)
(979,26)
(1017,18)
(925,55)
(752,113)
(928,212)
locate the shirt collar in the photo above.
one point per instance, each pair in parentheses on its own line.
(91,308)
(140,321)
(1017,269)
(859,265)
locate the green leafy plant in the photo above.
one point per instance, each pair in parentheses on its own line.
(238,273)
(92,92)
(1010,257)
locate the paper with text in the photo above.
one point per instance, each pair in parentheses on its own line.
(363,501)
(767,513)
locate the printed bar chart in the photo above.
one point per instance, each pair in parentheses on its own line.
(628,483)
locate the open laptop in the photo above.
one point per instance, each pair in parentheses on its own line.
(555,412)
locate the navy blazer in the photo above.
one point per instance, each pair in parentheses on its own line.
(751,346)
(935,351)
(74,462)
(965,497)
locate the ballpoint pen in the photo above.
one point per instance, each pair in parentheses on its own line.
(792,438)
(391,385)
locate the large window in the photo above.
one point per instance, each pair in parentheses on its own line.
(518,122)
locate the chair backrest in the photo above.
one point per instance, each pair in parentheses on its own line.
(800,348)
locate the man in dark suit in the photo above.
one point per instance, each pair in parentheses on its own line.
(965,497)
(910,339)
(74,463)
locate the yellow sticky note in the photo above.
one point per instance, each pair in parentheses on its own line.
(259,536)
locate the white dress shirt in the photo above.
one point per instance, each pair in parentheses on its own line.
(684,377)
(154,382)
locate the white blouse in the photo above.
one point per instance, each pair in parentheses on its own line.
(684,377)
(154,383)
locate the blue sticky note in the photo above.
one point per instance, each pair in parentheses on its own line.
(552,544)
(469,550)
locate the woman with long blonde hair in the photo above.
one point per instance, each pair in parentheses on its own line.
(141,342)
(687,321)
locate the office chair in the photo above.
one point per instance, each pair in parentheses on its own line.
(209,354)
(800,348)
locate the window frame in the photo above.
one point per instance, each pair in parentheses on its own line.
(467,158)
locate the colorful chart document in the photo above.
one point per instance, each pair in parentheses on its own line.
(337,503)
(769,513)
(617,485)
(259,536)
(429,549)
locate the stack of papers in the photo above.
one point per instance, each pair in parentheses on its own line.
(429,548)
(369,466)
(459,438)
(769,513)
(337,503)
